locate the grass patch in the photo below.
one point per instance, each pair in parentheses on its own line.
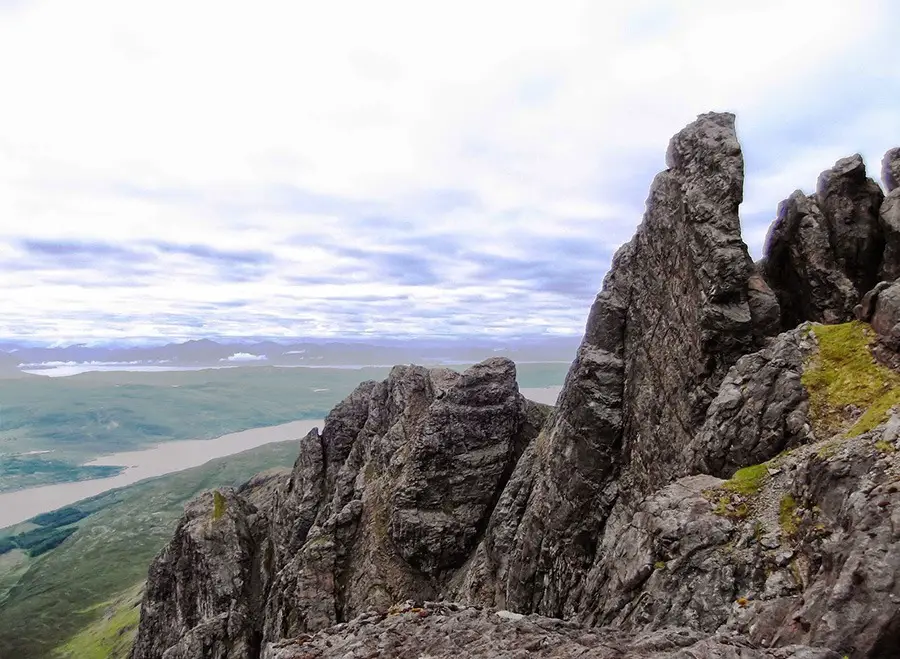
(747,481)
(829,448)
(725,507)
(885,446)
(110,637)
(845,374)
(787,514)
(218,505)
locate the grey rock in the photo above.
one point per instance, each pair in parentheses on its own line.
(801,267)
(851,201)
(889,215)
(607,515)
(832,581)
(890,169)
(765,311)
(864,310)
(889,219)
(885,317)
(448,631)
(823,252)
(673,316)
(202,596)
(689,317)
(761,409)
(386,502)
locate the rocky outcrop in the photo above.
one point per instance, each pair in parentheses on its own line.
(890,169)
(889,216)
(825,251)
(761,409)
(607,521)
(204,591)
(808,555)
(673,316)
(384,503)
(440,630)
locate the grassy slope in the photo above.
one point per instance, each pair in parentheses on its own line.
(83,416)
(66,590)
(112,634)
(844,375)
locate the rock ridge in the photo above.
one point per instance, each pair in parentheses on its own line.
(682,499)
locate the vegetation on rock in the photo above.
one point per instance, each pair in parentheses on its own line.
(844,379)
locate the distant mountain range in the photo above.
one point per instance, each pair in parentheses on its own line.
(16,358)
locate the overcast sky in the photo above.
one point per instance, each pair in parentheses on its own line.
(188,169)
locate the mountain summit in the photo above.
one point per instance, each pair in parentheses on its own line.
(719,477)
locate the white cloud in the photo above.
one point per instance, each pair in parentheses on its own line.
(492,126)
(244,357)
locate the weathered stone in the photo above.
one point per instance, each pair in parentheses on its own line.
(438,485)
(864,310)
(890,169)
(688,317)
(809,556)
(885,317)
(385,503)
(448,631)
(674,314)
(761,410)
(203,591)
(765,312)
(801,268)
(825,251)
(889,219)
(850,202)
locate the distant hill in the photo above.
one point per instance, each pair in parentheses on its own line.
(317,353)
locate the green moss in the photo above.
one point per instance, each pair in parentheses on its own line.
(726,508)
(844,373)
(218,505)
(747,481)
(787,514)
(829,448)
(659,565)
(885,447)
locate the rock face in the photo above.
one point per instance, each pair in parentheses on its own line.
(889,215)
(825,251)
(385,503)
(761,410)
(890,169)
(810,556)
(673,316)
(203,590)
(606,522)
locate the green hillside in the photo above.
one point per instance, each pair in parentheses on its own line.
(78,587)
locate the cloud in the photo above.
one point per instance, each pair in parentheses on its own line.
(244,357)
(287,171)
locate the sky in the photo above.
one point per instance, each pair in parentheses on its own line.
(320,169)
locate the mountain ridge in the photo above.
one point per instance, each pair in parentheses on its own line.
(685,489)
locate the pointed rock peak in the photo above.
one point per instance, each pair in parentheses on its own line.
(851,167)
(710,133)
(890,169)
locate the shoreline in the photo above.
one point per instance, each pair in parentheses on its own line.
(159,460)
